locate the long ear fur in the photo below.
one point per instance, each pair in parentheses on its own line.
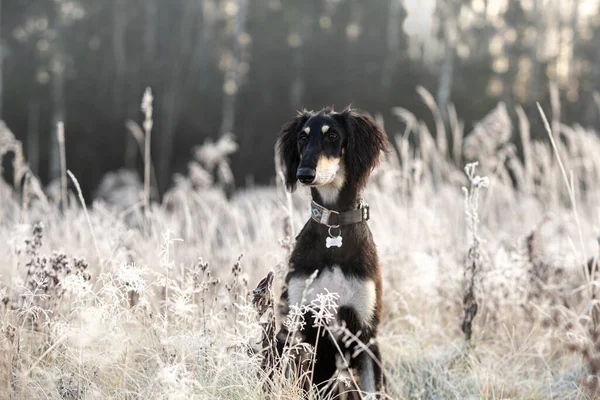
(288,148)
(366,141)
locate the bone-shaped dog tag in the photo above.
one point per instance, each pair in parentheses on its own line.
(333,241)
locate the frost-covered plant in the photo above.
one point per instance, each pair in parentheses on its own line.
(137,319)
(473,258)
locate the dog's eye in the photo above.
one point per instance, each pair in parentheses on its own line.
(303,139)
(332,137)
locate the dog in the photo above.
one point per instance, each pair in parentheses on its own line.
(334,153)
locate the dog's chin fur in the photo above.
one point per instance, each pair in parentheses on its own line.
(331,177)
(331,190)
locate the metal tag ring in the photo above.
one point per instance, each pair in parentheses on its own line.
(334,226)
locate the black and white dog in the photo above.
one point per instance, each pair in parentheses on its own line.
(334,153)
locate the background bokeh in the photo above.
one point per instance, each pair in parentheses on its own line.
(245,66)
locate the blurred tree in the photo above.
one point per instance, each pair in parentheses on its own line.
(2,46)
(245,66)
(509,41)
(235,13)
(535,39)
(396,45)
(590,52)
(447,14)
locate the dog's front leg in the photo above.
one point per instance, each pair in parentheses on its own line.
(369,372)
(283,309)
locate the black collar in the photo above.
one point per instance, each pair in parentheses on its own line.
(333,218)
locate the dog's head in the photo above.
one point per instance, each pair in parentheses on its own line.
(330,148)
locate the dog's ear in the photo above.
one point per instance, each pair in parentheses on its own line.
(288,148)
(366,140)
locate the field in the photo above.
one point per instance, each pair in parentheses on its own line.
(114,301)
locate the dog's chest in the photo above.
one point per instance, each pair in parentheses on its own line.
(357,293)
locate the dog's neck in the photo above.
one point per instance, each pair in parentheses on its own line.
(343,198)
(356,236)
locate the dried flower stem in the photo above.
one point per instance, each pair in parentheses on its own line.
(60,133)
(147,109)
(472,261)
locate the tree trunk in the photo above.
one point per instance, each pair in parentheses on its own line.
(575,40)
(119,53)
(1,67)
(445,82)
(448,19)
(536,66)
(169,111)
(393,45)
(232,81)
(58,102)
(297,90)
(592,112)
(174,92)
(150,13)
(204,47)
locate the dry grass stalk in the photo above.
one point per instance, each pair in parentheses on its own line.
(140,138)
(147,108)
(457,127)
(440,129)
(85,210)
(569,184)
(60,132)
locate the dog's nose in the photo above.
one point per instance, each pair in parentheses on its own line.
(306,175)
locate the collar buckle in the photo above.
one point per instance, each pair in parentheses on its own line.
(366,211)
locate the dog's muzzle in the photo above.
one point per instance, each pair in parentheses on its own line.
(306,175)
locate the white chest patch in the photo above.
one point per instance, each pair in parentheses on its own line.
(331,191)
(353,292)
